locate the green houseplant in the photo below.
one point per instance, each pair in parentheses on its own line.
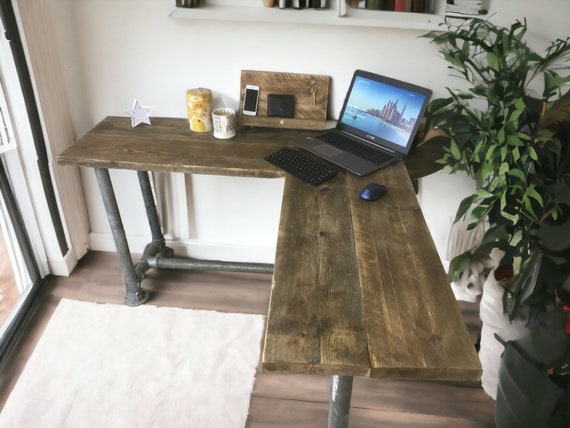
(509,130)
(516,147)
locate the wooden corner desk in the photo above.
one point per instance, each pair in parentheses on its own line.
(358,287)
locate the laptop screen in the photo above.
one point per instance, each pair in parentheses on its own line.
(383,111)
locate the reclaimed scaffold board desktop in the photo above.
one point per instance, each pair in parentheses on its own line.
(358,287)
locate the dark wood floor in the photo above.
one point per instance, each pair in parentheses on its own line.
(277,400)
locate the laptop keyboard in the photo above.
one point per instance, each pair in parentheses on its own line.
(344,143)
(301,166)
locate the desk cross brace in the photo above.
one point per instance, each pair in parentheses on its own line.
(156,254)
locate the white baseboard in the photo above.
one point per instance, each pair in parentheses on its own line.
(190,248)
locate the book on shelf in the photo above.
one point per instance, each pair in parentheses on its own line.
(400,5)
(303,4)
(419,6)
(318,4)
(375,4)
(465,8)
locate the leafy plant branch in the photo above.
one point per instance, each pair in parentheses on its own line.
(512,145)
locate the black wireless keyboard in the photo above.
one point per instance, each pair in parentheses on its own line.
(301,166)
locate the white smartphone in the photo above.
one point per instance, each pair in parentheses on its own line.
(250,100)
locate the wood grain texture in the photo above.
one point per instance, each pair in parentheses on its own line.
(315,318)
(413,321)
(363,284)
(311,94)
(169,146)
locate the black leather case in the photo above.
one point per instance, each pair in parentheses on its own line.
(280,105)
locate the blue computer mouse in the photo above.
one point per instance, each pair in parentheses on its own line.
(373,192)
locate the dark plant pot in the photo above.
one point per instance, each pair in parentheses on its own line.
(534,378)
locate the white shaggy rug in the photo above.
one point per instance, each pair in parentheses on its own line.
(104,365)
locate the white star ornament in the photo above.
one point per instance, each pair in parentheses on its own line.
(139,114)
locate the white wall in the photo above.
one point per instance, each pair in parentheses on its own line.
(113,51)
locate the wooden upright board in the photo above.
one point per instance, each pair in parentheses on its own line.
(310,91)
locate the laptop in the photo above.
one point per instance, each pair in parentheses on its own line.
(376,127)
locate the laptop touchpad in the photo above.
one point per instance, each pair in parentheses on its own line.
(327,150)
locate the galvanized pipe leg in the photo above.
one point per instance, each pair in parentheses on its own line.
(157,248)
(135,294)
(339,405)
(150,206)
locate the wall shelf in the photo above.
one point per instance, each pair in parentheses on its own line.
(337,14)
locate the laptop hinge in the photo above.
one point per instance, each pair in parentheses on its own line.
(370,143)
